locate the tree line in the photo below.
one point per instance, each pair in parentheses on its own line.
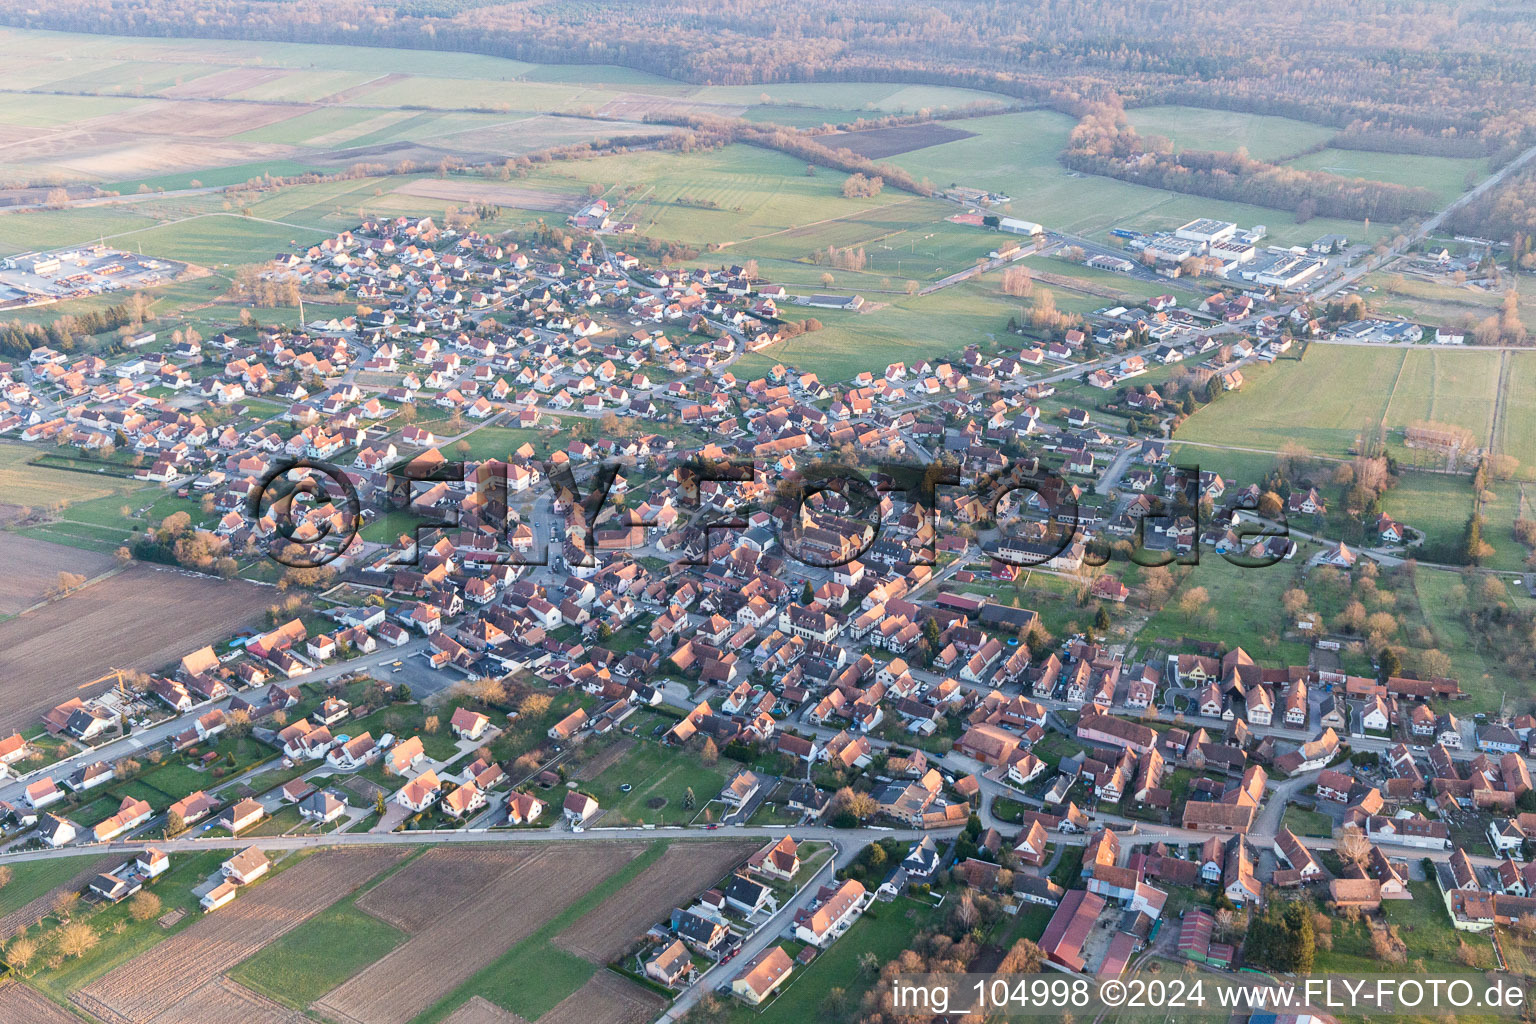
(1104,143)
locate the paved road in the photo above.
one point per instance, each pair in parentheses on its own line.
(309,842)
(1427,227)
(160,732)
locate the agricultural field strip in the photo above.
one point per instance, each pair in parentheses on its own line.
(679,874)
(608,999)
(22,1005)
(222,1001)
(46,654)
(152,984)
(402,985)
(479,1010)
(435,884)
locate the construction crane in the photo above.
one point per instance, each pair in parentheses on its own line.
(116,675)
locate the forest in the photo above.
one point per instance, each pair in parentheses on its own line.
(1427,75)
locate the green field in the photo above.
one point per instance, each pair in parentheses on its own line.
(1436,504)
(1515,431)
(1264,137)
(1242,609)
(214,176)
(117,945)
(22,484)
(939,324)
(43,111)
(318,955)
(1327,400)
(1499,515)
(1447,305)
(885,930)
(864,97)
(753,193)
(656,773)
(1447,177)
(1242,467)
(1017,154)
(35,878)
(1425,928)
(1441,604)
(1447,386)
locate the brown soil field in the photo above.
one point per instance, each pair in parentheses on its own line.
(22,1005)
(883,142)
(501,195)
(142,618)
(165,976)
(224,1002)
(223,83)
(408,981)
(16,919)
(208,119)
(606,998)
(436,882)
(32,568)
(479,1010)
(682,872)
(606,758)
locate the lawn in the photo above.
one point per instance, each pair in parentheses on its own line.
(656,774)
(318,955)
(33,878)
(886,929)
(1424,927)
(500,442)
(1307,823)
(1008,810)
